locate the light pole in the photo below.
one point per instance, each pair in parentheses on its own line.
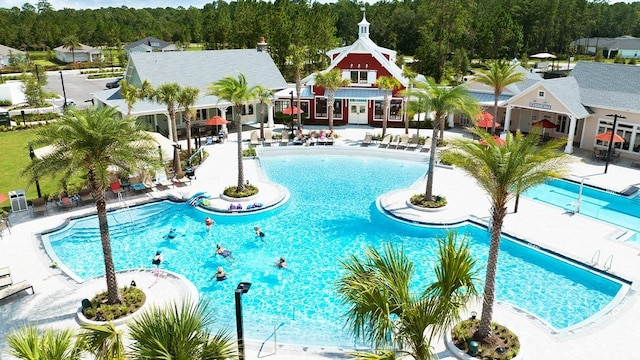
(613,132)
(242,288)
(291,111)
(64,93)
(32,155)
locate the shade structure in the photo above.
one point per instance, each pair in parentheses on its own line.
(497,139)
(215,121)
(543,55)
(3,198)
(606,136)
(292,111)
(544,123)
(485,120)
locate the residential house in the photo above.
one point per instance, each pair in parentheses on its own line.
(8,54)
(198,69)
(362,62)
(627,46)
(149,44)
(82,53)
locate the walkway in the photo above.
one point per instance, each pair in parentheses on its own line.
(57,297)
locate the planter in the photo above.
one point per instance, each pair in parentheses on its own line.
(82,320)
(235,200)
(424,209)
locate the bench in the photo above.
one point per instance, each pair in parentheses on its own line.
(8,288)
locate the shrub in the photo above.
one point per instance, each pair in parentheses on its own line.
(132,300)
(249,152)
(232,191)
(503,344)
(437,202)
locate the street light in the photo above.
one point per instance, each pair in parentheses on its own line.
(613,132)
(291,111)
(32,155)
(63,92)
(242,288)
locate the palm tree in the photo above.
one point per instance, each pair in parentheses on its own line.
(187,98)
(332,81)
(132,94)
(105,342)
(411,75)
(387,84)
(71,42)
(264,96)
(86,143)
(442,100)
(298,59)
(167,94)
(499,75)
(27,343)
(384,311)
(179,332)
(499,169)
(238,92)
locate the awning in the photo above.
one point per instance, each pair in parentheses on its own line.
(360,94)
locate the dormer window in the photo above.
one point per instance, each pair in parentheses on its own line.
(541,94)
(359,77)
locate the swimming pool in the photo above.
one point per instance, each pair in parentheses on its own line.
(331,214)
(612,208)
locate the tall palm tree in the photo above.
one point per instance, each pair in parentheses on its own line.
(105,342)
(187,98)
(499,169)
(387,84)
(179,332)
(27,343)
(411,75)
(86,143)
(167,94)
(264,96)
(238,92)
(381,303)
(331,81)
(499,75)
(299,55)
(71,42)
(442,100)
(132,94)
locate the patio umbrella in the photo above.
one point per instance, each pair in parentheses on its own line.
(497,139)
(3,198)
(485,120)
(292,111)
(606,136)
(544,124)
(216,121)
(544,55)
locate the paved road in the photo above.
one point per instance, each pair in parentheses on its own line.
(76,86)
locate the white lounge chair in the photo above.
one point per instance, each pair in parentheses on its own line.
(284,141)
(386,140)
(368,140)
(268,137)
(254,141)
(413,143)
(393,144)
(404,141)
(162,180)
(8,288)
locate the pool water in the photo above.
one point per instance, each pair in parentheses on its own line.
(609,207)
(331,214)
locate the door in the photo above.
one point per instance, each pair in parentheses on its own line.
(524,122)
(358,112)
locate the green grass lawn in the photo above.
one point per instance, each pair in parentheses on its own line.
(14,157)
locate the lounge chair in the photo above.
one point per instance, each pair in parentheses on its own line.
(162,180)
(268,137)
(65,202)
(368,140)
(39,206)
(8,288)
(413,143)
(284,141)
(85,196)
(116,188)
(137,185)
(386,140)
(404,141)
(393,144)
(254,141)
(183,181)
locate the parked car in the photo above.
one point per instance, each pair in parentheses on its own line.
(114,84)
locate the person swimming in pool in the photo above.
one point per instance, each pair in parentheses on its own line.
(172,234)
(220,274)
(157,260)
(281,263)
(258,231)
(223,252)
(208,222)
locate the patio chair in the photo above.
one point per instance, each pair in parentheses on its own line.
(368,140)
(386,140)
(8,288)
(137,185)
(85,195)
(162,180)
(268,137)
(413,143)
(254,141)
(284,141)
(393,144)
(404,141)
(39,206)
(597,154)
(116,188)
(64,202)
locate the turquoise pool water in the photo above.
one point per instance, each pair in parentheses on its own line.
(331,215)
(615,209)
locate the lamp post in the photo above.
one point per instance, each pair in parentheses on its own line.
(32,155)
(64,93)
(242,288)
(291,110)
(613,132)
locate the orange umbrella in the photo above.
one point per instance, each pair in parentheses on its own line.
(215,120)
(545,124)
(606,136)
(496,139)
(485,120)
(3,198)
(292,110)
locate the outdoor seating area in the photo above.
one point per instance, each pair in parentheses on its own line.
(603,155)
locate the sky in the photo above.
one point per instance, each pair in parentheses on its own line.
(94,4)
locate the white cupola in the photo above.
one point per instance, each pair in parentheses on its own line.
(363,26)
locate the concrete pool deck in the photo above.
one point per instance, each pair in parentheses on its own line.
(57,297)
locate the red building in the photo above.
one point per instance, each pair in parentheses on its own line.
(362,62)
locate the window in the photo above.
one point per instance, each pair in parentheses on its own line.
(321,107)
(359,77)
(378,112)
(247,109)
(337,109)
(395,110)
(541,94)
(562,125)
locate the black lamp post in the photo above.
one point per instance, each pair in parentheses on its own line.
(291,110)
(242,288)
(64,93)
(32,155)
(613,132)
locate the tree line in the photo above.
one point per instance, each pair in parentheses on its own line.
(436,32)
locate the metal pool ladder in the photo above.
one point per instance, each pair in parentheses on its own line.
(595,258)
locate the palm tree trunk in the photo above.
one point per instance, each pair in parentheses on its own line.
(298,88)
(498,213)
(495,112)
(262,120)
(240,186)
(330,110)
(187,125)
(428,193)
(176,151)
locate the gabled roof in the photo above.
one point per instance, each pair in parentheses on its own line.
(625,42)
(6,51)
(612,86)
(82,48)
(149,42)
(565,89)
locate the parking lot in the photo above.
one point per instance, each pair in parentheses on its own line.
(76,86)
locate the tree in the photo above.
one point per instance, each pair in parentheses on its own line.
(411,75)
(85,144)
(264,96)
(442,100)
(499,169)
(167,94)
(71,42)
(331,81)
(179,332)
(387,84)
(499,75)
(187,97)
(384,311)
(298,59)
(28,344)
(105,342)
(238,92)
(132,94)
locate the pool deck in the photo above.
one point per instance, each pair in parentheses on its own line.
(57,297)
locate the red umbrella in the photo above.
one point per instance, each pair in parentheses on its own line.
(496,139)
(606,136)
(545,124)
(485,120)
(215,120)
(3,198)
(292,110)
